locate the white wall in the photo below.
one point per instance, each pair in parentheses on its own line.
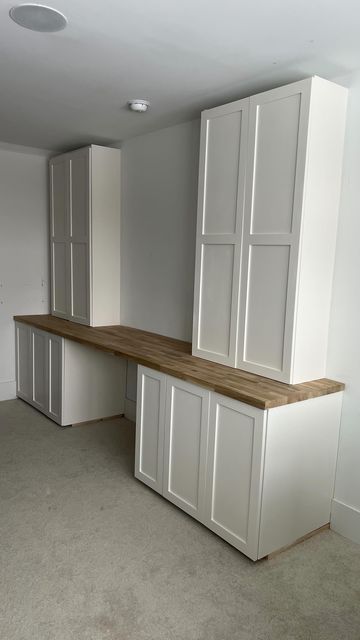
(344,339)
(24,270)
(159,185)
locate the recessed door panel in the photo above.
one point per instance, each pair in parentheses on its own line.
(59,278)
(221,179)
(186,427)
(39,369)
(150,421)
(59,195)
(234,463)
(266,305)
(23,361)
(275,157)
(80,281)
(216,299)
(79,194)
(55,375)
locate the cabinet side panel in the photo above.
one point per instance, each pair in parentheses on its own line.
(318,239)
(299,474)
(105,258)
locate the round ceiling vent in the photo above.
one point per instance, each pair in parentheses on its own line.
(38,17)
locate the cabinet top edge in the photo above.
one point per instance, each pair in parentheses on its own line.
(301,84)
(89,147)
(173,357)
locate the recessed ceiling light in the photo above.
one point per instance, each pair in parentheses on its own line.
(140,106)
(38,17)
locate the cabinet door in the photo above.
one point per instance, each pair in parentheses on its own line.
(186,431)
(59,236)
(79,236)
(234,472)
(223,148)
(278,129)
(55,360)
(39,361)
(150,420)
(23,361)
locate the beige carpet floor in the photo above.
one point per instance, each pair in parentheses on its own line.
(89,553)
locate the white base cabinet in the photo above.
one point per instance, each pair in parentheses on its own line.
(259,479)
(67,381)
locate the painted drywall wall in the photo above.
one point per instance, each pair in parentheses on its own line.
(159,186)
(344,337)
(24,260)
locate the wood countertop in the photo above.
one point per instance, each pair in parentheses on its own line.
(174,357)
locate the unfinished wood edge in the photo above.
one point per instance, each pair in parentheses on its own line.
(274,554)
(82,424)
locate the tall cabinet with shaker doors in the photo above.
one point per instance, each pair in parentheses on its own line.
(269,187)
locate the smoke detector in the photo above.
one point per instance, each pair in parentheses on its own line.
(38,17)
(140,106)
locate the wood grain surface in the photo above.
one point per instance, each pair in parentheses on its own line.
(173,357)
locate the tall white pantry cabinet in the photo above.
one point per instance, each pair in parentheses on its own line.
(269,187)
(85,235)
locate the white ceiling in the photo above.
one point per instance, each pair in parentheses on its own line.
(70,88)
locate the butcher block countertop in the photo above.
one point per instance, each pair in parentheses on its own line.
(174,357)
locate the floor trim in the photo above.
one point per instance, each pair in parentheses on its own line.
(7,390)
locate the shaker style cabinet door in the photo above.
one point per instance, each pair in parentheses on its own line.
(40,370)
(278,130)
(59,237)
(186,432)
(79,236)
(23,361)
(223,149)
(55,369)
(234,472)
(150,421)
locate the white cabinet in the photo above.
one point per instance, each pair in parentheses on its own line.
(85,235)
(150,422)
(185,446)
(234,471)
(67,381)
(259,479)
(269,186)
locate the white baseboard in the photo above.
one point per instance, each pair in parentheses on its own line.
(7,390)
(130,410)
(345,520)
